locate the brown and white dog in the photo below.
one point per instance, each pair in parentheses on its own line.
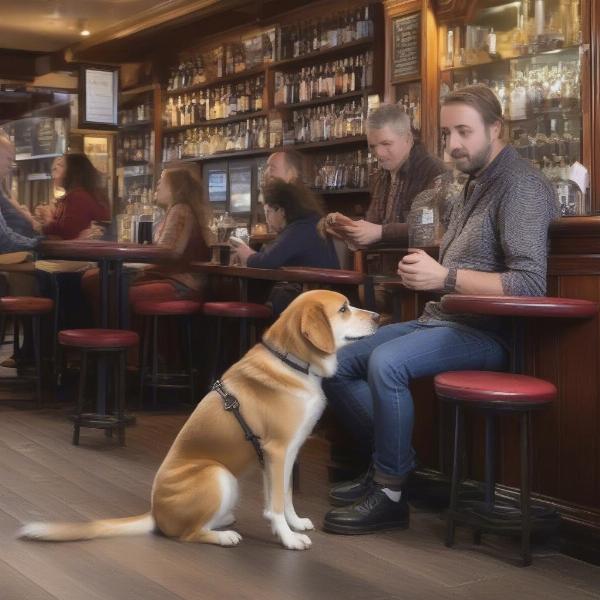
(195,489)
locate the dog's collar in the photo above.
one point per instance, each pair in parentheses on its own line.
(288,359)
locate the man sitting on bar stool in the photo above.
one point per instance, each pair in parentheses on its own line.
(496,244)
(405,170)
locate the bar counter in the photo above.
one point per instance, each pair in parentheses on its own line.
(567,437)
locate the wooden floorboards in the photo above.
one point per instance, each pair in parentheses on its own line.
(43,477)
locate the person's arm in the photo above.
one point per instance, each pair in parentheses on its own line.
(523,223)
(11,241)
(279,252)
(177,229)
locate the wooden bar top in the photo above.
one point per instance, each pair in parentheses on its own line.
(102,250)
(291,274)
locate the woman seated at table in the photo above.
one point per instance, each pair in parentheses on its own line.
(292,212)
(184,229)
(82,203)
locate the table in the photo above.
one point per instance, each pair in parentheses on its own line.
(304,275)
(110,256)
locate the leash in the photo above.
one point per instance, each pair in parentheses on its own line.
(232,404)
(288,359)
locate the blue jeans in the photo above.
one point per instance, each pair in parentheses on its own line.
(370,390)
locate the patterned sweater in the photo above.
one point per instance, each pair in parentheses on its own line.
(391,200)
(499,225)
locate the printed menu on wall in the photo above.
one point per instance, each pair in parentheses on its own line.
(406,37)
(100,90)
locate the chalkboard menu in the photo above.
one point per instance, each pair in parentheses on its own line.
(44,137)
(406,37)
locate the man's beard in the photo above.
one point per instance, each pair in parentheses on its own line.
(475,163)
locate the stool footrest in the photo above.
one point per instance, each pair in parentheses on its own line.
(98,421)
(503,518)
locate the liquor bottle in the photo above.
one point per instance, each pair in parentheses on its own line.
(491,42)
(198,75)
(258,95)
(229,64)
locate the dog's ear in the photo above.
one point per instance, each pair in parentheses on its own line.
(315,327)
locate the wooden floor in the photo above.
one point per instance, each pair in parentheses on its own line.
(43,477)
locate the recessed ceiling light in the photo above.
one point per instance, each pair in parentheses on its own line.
(83,29)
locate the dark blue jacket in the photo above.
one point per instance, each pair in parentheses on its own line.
(14,240)
(298,245)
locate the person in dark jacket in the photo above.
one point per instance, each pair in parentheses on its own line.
(405,170)
(16,225)
(292,212)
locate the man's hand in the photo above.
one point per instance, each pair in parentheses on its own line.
(44,213)
(241,252)
(361,233)
(325,230)
(421,272)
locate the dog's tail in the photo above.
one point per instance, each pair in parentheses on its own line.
(66,532)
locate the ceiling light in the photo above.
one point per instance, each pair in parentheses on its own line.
(83,29)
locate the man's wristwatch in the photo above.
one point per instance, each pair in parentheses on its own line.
(450,281)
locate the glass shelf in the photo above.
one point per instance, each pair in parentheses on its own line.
(528,53)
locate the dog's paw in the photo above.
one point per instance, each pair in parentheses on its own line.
(229,538)
(296,541)
(301,524)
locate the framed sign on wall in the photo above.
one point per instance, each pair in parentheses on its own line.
(406,54)
(98,97)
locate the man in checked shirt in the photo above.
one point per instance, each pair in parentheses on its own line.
(496,244)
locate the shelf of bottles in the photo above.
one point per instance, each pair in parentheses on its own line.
(231,102)
(200,142)
(528,53)
(322,82)
(140,114)
(135,141)
(408,96)
(346,172)
(216,100)
(311,37)
(335,121)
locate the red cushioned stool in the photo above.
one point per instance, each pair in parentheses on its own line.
(28,310)
(247,313)
(183,312)
(494,394)
(113,343)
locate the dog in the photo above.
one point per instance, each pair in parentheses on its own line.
(278,385)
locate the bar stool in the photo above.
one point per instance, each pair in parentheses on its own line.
(22,308)
(181,311)
(247,313)
(495,394)
(114,343)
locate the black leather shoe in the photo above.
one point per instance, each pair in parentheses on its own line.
(349,492)
(373,513)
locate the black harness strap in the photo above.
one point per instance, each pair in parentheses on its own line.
(232,404)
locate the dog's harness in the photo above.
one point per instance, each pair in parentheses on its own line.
(288,359)
(232,404)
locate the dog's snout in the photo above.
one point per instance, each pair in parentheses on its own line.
(375,317)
